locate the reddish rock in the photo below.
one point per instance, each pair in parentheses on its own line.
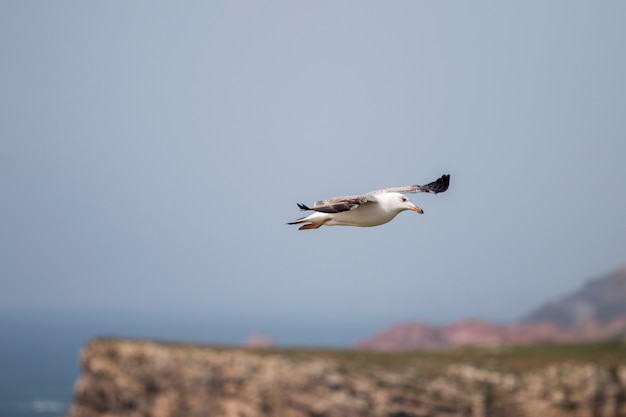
(595,312)
(472,332)
(258,340)
(482,333)
(403,336)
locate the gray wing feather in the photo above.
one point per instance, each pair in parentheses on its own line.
(438,186)
(340,204)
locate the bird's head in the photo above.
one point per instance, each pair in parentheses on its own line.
(401,203)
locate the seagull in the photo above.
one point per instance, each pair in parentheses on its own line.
(369,209)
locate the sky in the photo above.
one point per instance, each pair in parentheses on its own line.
(151,154)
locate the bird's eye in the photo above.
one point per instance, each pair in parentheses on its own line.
(403,199)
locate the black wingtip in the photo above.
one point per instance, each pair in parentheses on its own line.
(438,186)
(445,179)
(303,207)
(444,183)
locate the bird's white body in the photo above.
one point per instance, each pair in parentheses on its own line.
(367,210)
(380,210)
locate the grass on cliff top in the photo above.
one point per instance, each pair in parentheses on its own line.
(515,359)
(504,358)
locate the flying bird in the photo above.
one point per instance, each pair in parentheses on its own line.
(369,209)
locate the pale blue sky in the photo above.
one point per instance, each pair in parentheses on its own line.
(151,154)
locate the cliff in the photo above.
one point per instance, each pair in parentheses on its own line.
(597,311)
(414,335)
(602,299)
(124,378)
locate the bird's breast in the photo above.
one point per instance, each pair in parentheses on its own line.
(365,216)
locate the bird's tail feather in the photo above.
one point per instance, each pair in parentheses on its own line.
(313,221)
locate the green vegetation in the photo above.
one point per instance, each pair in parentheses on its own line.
(505,358)
(514,359)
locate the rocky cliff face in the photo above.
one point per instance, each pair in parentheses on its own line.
(139,378)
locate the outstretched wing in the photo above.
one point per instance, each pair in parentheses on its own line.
(438,186)
(339,204)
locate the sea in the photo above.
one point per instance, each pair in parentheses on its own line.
(38,366)
(39,351)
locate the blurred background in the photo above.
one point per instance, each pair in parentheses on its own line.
(151,154)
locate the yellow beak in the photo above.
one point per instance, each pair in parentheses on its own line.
(417,209)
